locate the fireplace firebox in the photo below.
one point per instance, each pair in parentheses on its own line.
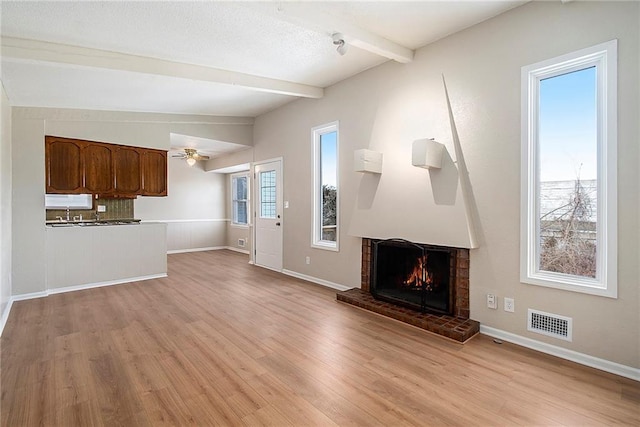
(413,275)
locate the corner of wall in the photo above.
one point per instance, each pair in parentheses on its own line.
(6,206)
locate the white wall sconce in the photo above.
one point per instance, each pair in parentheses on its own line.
(367,161)
(427,154)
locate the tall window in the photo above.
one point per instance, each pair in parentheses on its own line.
(325,186)
(239,199)
(569,219)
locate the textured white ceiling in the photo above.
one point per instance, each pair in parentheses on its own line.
(247,37)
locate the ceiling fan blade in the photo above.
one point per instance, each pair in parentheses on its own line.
(201,157)
(179,156)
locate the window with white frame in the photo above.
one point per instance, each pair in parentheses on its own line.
(239,199)
(569,186)
(325,186)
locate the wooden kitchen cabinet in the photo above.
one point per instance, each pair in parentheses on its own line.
(84,167)
(63,166)
(154,173)
(98,169)
(127,169)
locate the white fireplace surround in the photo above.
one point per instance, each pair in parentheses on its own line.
(441,209)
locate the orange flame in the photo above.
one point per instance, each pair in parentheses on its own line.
(419,275)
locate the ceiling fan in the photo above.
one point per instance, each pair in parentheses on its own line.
(191,156)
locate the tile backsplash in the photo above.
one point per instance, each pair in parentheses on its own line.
(116,209)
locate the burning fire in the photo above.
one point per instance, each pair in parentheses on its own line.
(419,276)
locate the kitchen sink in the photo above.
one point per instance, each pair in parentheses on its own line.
(93,223)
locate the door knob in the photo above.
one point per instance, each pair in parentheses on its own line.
(278,224)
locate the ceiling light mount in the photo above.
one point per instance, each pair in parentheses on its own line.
(338,40)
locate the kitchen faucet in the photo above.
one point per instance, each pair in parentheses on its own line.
(68,213)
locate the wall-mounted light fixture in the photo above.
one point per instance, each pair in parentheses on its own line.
(427,154)
(367,161)
(338,40)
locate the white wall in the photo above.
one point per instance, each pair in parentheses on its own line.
(5,201)
(194,210)
(29,125)
(388,107)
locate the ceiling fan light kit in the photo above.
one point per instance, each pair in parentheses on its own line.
(191,156)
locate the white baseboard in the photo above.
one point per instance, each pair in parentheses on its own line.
(234,249)
(184,251)
(316,280)
(102,284)
(31,295)
(5,315)
(210,248)
(563,353)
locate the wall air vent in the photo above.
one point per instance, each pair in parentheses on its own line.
(241,243)
(552,325)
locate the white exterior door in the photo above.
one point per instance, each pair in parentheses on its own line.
(268,215)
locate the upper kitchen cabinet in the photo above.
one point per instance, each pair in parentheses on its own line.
(154,173)
(63,166)
(98,169)
(127,170)
(76,167)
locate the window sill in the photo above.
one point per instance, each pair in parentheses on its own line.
(327,246)
(570,283)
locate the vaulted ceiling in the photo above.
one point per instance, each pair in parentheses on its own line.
(214,58)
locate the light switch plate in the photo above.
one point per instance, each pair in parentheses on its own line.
(492,301)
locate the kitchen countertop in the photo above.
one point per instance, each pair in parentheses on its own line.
(92,222)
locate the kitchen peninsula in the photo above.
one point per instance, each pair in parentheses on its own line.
(80,257)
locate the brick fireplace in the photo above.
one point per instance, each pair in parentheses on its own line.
(455,324)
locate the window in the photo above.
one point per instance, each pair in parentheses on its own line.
(239,199)
(325,186)
(569,139)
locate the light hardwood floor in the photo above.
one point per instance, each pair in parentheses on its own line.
(220,342)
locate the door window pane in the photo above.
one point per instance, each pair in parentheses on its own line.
(268,194)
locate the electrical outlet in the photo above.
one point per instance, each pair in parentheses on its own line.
(492,301)
(102,208)
(308,260)
(509,305)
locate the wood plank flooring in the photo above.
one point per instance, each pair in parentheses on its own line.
(220,342)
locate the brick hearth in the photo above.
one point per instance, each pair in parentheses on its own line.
(457,326)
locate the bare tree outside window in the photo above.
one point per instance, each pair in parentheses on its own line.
(568,230)
(329,193)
